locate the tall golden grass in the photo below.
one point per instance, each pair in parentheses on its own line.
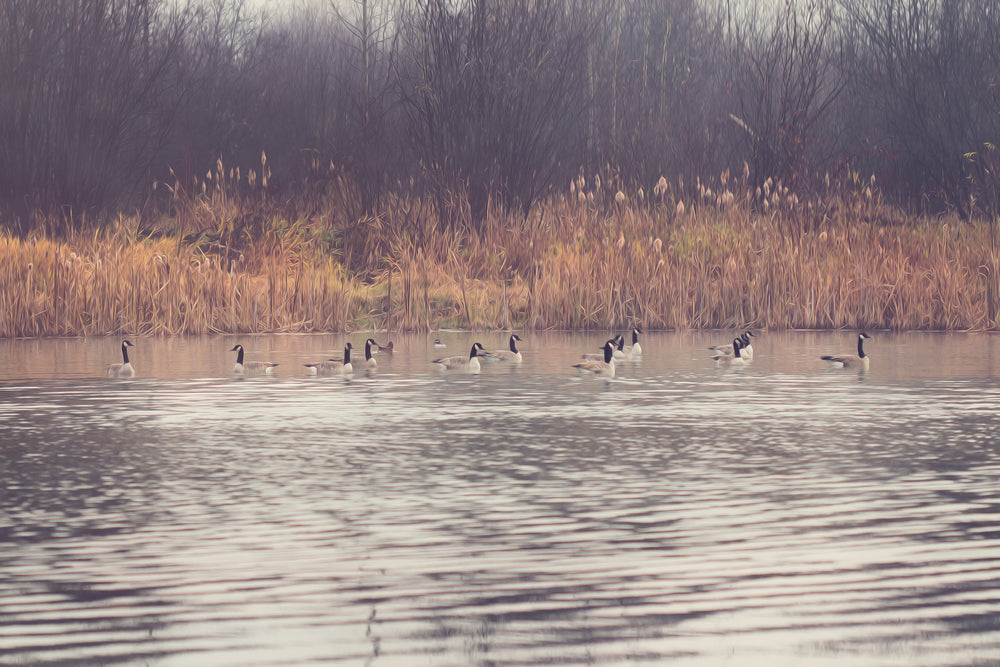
(608,259)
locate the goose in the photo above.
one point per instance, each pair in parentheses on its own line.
(605,366)
(124,369)
(616,343)
(746,347)
(469,364)
(387,348)
(438,345)
(250,367)
(511,355)
(850,360)
(334,366)
(734,359)
(633,350)
(620,351)
(726,350)
(369,359)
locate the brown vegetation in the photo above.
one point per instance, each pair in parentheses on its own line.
(716,255)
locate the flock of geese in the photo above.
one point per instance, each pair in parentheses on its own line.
(614,350)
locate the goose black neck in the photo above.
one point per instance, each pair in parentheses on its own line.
(736,349)
(513,347)
(347,355)
(368,350)
(609,353)
(635,336)
(861,347)
(124,353)
(239,355)
(472,354)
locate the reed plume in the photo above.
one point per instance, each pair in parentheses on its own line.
(231,262)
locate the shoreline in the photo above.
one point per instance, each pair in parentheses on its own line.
(819,266)
(355,332)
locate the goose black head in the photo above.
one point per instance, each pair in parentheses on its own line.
(861,344)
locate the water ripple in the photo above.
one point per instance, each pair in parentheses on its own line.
(687,516)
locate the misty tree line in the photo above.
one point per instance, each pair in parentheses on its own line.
(472,101)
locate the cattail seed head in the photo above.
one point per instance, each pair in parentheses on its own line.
(661,187)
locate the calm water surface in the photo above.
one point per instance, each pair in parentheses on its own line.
(780,514)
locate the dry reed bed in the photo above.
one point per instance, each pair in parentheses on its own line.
(569,266)
(110,286)
(718,267)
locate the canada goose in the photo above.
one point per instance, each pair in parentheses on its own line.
(636,348)
(726,349)
(633,350)
(334,366)
(438,345)
(250,367)
(849,360)
(369,359)
(734,359)
(384,349)
(605,367)
(746,347)
(124,369)
(469,364)
(616,343)
(511,355)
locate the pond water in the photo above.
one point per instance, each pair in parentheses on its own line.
(778,514)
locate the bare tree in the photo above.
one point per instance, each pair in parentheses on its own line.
(784,80)
(222,63)
(928,70)
(493,90)
(371,28)
(657,118)
(86,100)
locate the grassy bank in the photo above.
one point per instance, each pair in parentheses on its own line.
(706,260)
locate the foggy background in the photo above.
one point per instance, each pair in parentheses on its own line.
(461,101)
